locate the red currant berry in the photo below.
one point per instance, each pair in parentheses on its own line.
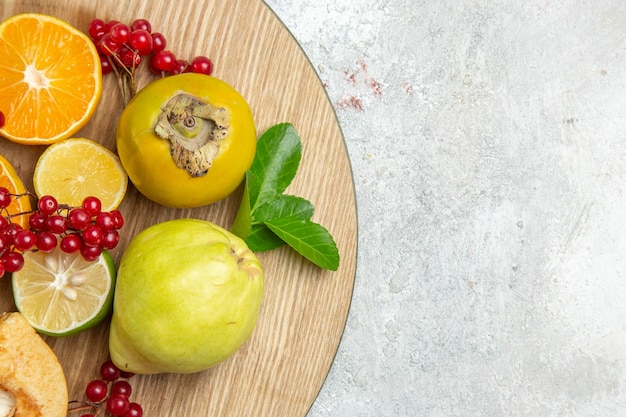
(90,253)
(126,374)
(105,65)
(158,42)
(78,218)
(117,405)
(118,218)
(96,390)
(93,205)
(106,46)
(202,65)
(47,205)
(110,239)
(181,67)
(71,243)
(12,261)
(109,371)
(105,220)
(2,120)
(134,410)
(37,221)
(24,240)
(2,271)
(56,224)
(92,235)
(46,241)
(110,24)
(141,41)
(162,61)
(142,24)
(5,197)
(121,387)
(129,57)
(120,33)
(97,29)
(5,224)
(5,242)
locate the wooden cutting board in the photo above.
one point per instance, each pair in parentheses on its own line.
(280,370)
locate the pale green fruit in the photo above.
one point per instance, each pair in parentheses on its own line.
(188,295)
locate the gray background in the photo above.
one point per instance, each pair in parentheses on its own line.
(487,140)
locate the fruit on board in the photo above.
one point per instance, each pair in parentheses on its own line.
(186,140)
(61,294)
(77,168)
(187,297)
(10,180)
(50,79)
(32,382)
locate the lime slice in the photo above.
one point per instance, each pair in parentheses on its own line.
(61,294)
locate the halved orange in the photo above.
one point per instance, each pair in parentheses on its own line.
(12,182)
(50,79)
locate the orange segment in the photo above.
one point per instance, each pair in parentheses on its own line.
(12,182)
(77,168)
(50,79)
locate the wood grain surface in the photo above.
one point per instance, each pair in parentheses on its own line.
(280,370)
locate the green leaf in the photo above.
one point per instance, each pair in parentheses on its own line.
(284,205)
(262,239)
(242,224)
(309,239)
(276,161)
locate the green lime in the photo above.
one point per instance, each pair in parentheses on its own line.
(61,294)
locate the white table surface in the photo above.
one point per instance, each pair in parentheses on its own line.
(488,141)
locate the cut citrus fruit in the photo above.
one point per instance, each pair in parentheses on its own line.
(12,182)
(61,294)
(50,79)
(77,168)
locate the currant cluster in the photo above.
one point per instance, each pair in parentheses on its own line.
(85,229)
(109,394)
(123,47)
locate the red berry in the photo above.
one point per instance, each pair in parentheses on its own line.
(105,65)
(12,261)
(47,204)
(2,271)
(97,29)
(92,235)
(117,405)
(158,42)
(118,218)
(110,24)
(134,410)
(5,197)
(96,390)
(24,240)
(141,41)
(162,61)
(121,387)
(2,120)
(37,221)
(93,205)
(105,220)
(46,241)
(56,224)
(5,242)
(202,65)
(71,243)
(120,33)
(78,218)
(142,24)
(129,57)
(90,253)
(107,46)
(181,67)
(110,239)
(109,371)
